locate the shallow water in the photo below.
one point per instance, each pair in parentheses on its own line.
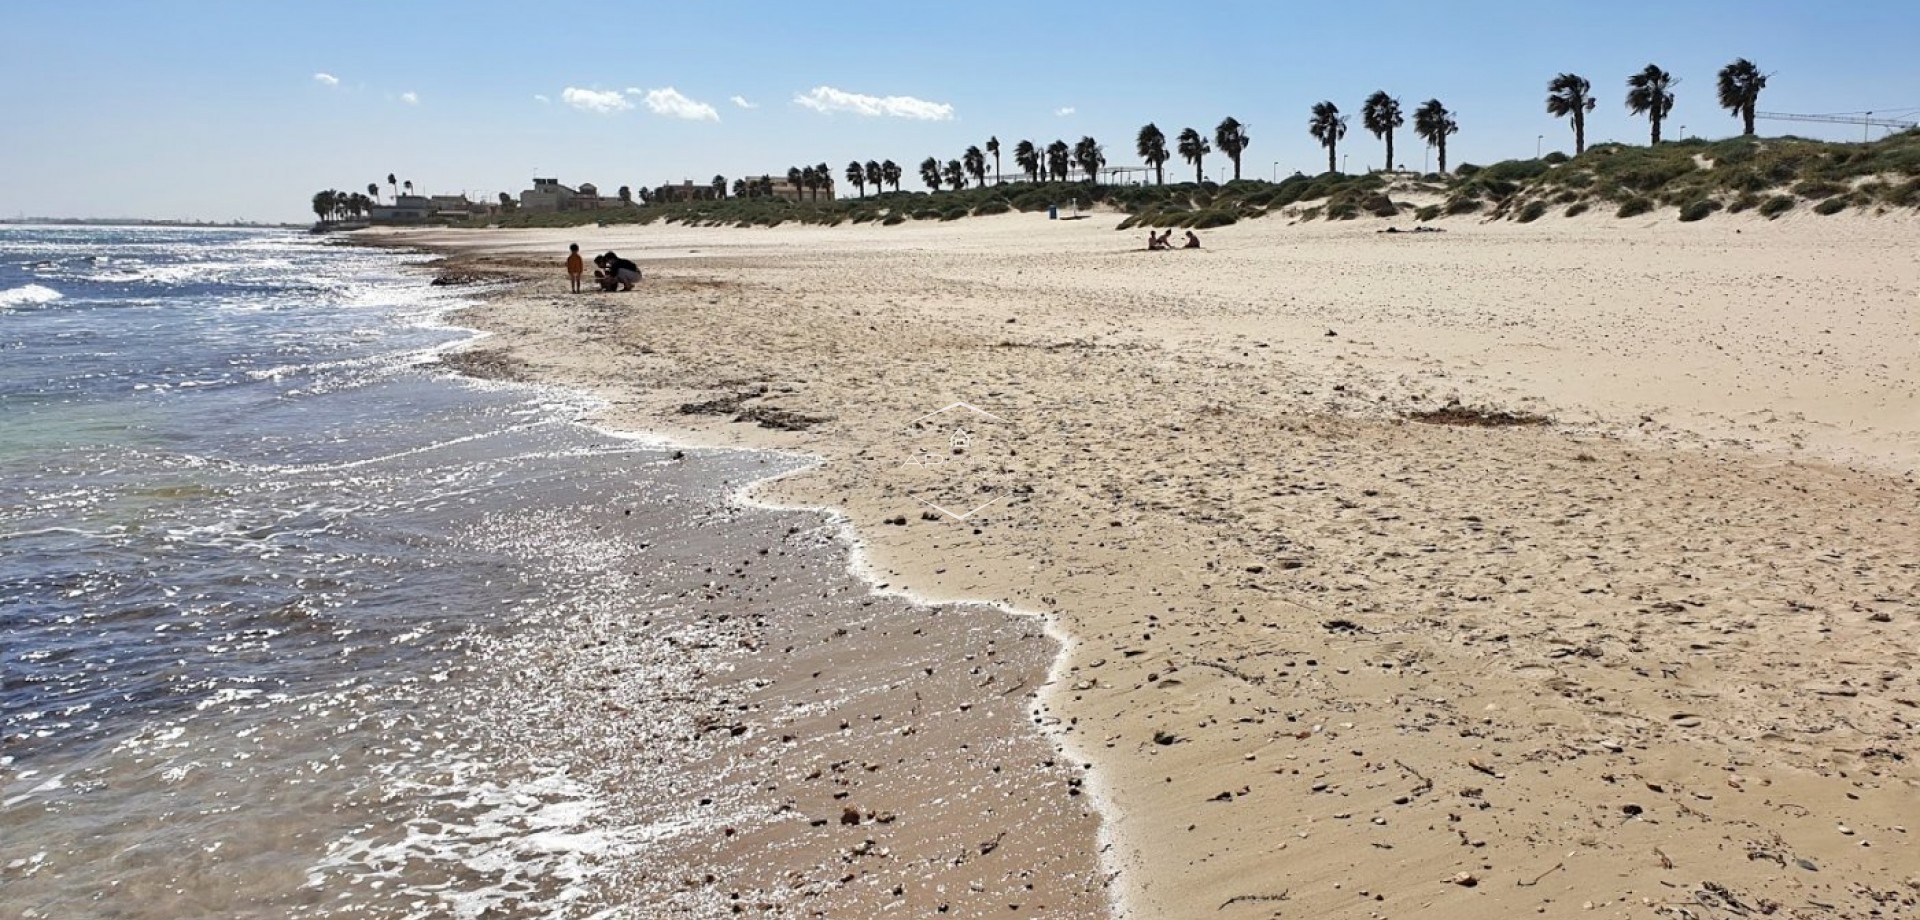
(296,624)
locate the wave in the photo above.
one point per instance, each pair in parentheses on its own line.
(28,295)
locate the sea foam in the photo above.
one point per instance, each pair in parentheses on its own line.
(28,295)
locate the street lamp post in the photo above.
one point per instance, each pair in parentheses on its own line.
(1538,139)
(1276,170)
(1343,163)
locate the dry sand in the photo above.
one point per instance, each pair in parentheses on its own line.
(1656,657)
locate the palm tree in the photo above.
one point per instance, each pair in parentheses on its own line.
(1193,149)
(1434,123)
(1230,137)
(1152,147)
(823,181)
(930,173)
(408,185)
(1058,156)
(857,174)
(741,189)
(373,191)
(1570,94)
(1381,114)
(395,183)
(796,179)
(625,193)
(1088,156)
(322,205)
(1327,126)
(1650,93)
(1027,157)
(875,177)
(890,171)
(811,181)
(719,185)
(975,163)
(1740,86)
(993,147)
(956,175)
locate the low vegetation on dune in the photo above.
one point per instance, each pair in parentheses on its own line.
(1695,178)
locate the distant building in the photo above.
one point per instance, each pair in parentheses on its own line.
(781,188)
(550,195)
(405,209)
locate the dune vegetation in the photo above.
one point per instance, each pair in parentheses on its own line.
(1693,179)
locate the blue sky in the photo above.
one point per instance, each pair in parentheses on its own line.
(213,109)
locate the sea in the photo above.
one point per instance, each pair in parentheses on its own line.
(296,622)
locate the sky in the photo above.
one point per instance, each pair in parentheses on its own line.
(223,110)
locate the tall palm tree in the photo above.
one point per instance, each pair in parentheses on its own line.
(1088,155)
(1434,124)
(1230,138)
(719,185)
(956,175)
(395,183)
(373,191)
(811,180)
(876,177)
(975,164)
(322,204)
(1058,156)
(857,176)
(1381,114)
(1740,86)
(408,185)
(890,171)
(741,189)
(1327,126)
(930,173)
(993,147)
(823,179)
(1152,147)
(1027,157)
(796,179)
(1650,93)
(1193,149)
(1571,94)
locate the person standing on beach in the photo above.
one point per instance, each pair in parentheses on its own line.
(576,266)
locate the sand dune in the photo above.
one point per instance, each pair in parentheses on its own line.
(1642,642)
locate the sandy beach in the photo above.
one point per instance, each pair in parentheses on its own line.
(1535,569)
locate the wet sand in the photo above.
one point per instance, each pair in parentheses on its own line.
(1517,569)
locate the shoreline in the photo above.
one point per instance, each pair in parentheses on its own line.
(901,554)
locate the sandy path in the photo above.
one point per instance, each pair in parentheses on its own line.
(1661,653)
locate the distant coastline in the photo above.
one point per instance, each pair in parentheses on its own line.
(137,222)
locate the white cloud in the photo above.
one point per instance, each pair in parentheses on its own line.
(592,100)
(670,103)
(410,97)
(326,79)
(829,100)
(1064,111)
(543,100)
(742,102)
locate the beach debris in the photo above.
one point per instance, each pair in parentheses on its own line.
(1462,416)
(1238,898)
(1162,737)
(1525,883)
(1465,879)
(779,419)
(850,815)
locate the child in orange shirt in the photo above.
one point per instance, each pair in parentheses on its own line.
(576,266)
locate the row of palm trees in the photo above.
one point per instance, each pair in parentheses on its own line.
(334,204)
(1650,93)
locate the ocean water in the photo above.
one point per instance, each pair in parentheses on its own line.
(265,572)
(296,623)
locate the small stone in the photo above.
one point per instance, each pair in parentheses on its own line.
(1844,830)
(1465,879)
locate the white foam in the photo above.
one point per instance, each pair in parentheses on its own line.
(28,295)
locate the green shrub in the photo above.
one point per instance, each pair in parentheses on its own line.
(1830,206)
(1819,188)
(1466,170)
(1463,205)
(1777,205)
(1566,196)
(1746,202)
(1555,158)
(1576,209)
(894,219)
(989,208)
(1343,210)
(1698,210)
(1532,212)
(1634,207)
(1517,170)
(1427,213)
(1906,194)
(1207,220)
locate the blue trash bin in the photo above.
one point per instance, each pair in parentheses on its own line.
(1053,212)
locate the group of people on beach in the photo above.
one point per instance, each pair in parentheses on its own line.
(610,272)
(1165,240)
